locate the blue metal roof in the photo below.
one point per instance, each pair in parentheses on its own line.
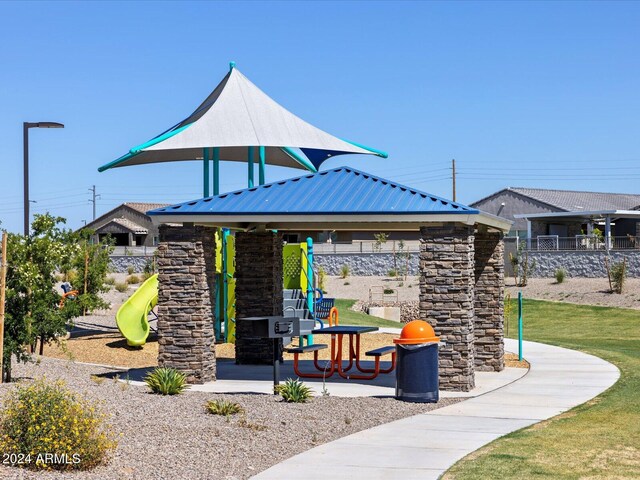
(340,191)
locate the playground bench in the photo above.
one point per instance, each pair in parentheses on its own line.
(307,348)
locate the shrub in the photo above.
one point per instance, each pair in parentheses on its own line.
(560,275)
(223,407)
(121,287)
(322,279)
(131,270)
(43,418)
(166,381)
(133,279)
(294,391)
(389,291)
(392,273)
(344,271)
(618,275)
(110,281)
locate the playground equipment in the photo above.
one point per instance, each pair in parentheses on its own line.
(68,293)
(132,315)
(225,309)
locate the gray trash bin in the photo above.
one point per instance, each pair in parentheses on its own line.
(417,363)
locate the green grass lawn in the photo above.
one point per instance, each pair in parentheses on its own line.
(597,440)
(349,317)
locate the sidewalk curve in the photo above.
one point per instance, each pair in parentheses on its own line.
(425,446)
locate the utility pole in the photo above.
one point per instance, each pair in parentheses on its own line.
(93,200)
(453,170)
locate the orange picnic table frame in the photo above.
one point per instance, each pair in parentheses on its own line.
(335,364)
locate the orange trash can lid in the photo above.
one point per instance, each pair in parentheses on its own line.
(416,331)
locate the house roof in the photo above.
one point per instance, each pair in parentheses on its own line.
(237,115)
(140,207)
(127,224)
(342,194)
(572,200)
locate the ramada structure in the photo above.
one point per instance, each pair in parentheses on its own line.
(461,265)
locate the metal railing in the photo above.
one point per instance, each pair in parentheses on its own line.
(368,246)
(548,243)
(134,251)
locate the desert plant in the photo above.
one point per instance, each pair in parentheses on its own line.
(322,279)
(294,391)
(618,275)
(392,273)
(133,279)
(110,281)
(389,291)
(166,381)
(522,266)
(380,239)
(347,283)
(131,270)
(344,271)
(560,274)
(121,287)
(223,407)
(41,418)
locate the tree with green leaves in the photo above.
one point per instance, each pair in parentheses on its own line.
(32,302)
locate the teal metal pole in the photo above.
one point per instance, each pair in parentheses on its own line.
(263,160)
(250,163)
(216,171)
(310,291)
(520,326)
(205,171)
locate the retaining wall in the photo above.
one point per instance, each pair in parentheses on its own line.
(582,264)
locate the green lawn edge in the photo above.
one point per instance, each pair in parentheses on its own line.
(596,440)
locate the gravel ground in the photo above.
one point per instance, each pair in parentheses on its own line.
(173,437)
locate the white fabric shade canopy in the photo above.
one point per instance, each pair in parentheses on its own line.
(238,115)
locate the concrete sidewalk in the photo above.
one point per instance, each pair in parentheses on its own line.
(425,446)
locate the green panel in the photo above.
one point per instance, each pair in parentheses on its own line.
(231,310)
(292,264)
(218,251)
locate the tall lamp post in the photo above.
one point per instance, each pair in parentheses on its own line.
(25,129)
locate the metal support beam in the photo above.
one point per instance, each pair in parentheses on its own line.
(216,171)
(528,234)
(205,172)
(607,232)
(250,166)
(263,160)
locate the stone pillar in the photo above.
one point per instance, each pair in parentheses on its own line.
(489,301)
(258,291)
(446,299)
(186,293)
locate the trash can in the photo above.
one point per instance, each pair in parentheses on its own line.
(417,363)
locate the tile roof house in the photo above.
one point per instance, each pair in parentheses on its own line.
(517,201)
(128,224)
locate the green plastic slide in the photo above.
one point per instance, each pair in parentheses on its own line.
(132,315)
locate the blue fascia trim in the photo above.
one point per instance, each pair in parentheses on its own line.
(379,153)
(300,159)
(159,138)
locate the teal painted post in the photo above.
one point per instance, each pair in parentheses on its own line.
(263,160)
(310,290)
(520,326)
(216,171)
(205,171)
(250,166)
(225,284)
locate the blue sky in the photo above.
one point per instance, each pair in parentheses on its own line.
(520,94)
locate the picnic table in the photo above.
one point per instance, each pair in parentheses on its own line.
(338,356)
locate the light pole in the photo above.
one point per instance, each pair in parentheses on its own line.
(25,136)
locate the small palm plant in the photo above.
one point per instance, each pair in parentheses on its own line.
(166,381)
(223,407)
(294,391)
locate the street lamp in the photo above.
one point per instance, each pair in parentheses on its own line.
(25,129)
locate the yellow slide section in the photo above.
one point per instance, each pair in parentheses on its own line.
(132,315)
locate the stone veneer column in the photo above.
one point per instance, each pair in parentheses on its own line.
(259,284)
(446,299)
(186,293)
(489,301)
